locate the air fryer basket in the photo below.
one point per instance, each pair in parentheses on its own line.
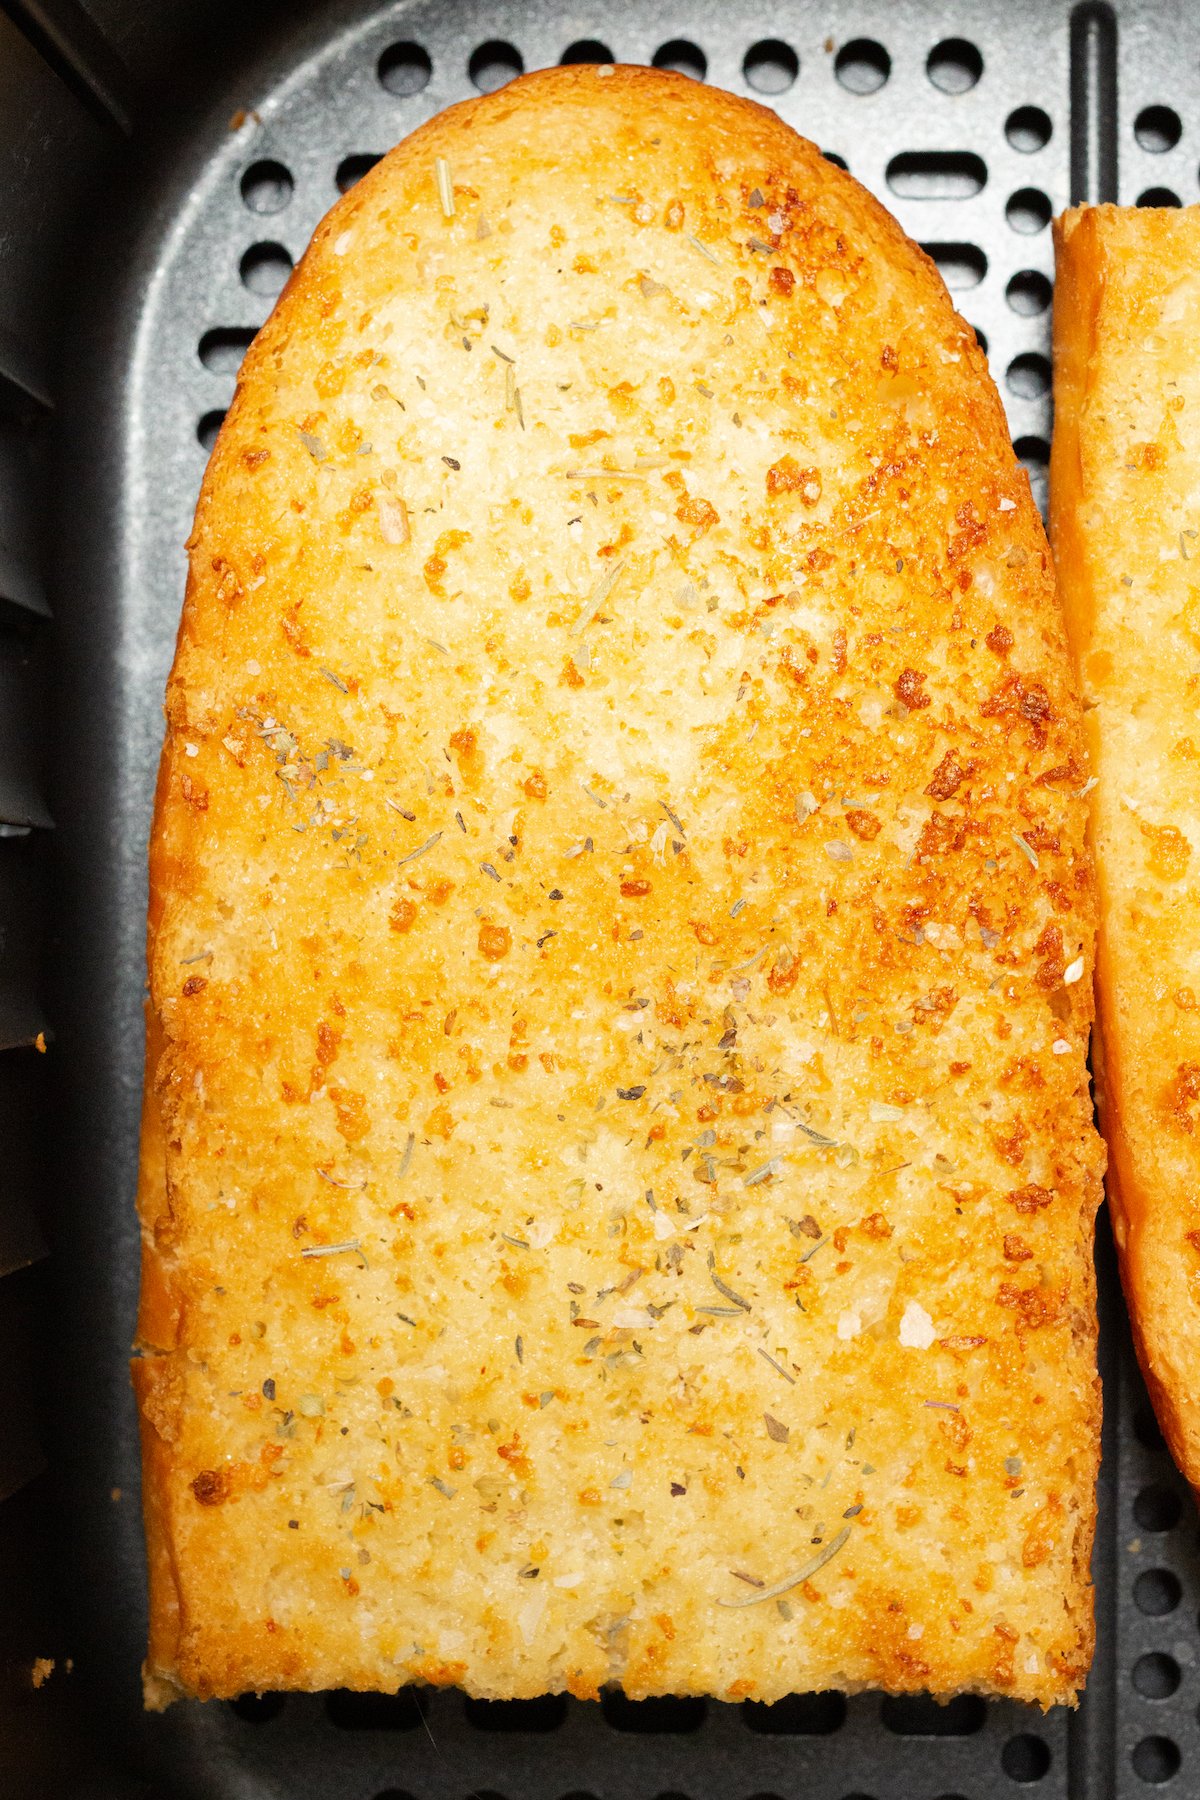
(161,167)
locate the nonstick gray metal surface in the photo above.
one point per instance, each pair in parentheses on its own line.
(974,122)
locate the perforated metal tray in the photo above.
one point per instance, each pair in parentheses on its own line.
(974,122)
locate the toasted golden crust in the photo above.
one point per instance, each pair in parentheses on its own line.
(617,881)
(1125,473)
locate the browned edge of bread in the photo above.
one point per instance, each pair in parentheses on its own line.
(1142,1200)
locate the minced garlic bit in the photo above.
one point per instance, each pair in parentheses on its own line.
(916,1327)
(880,1113)
(601,474)
(393,520)
(1073,972)
(445,186)
(529,1617)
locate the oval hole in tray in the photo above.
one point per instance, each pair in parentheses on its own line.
(799,1715)
(546,1713)
(936,174)
(961,266)
(372,1712)
(920,1715)
(666,1713)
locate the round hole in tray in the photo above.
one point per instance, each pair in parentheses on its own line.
(862,66)
(1157,1508)
(1156,1759)
(1158,196)
(264,268)
(1157,128)
(206,436)
(954,65)
(839,162)
(257,1709)
(1156,1676)
(1146,1429)
(1028,129)
(980,338)
(1028,211)
(1028,376)
(1025,1758)
(771,66)
(683,57)
(494,64)
(1034,452)
(1029,293)
(404,69)
(351,169)
(267,187)
(587,50)
(1156,1592)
